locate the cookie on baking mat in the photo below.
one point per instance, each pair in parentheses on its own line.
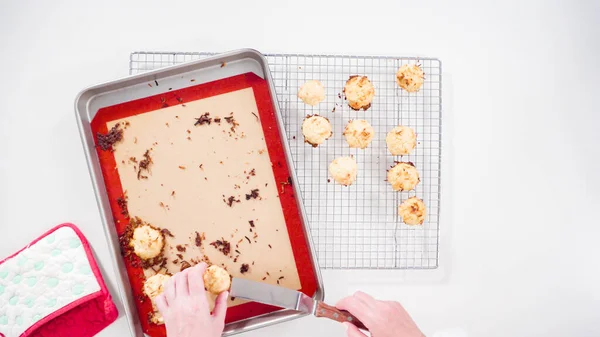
(49,287)
(154,286)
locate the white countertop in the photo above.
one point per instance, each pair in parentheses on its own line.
(520,174)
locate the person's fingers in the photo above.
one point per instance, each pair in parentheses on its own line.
(181,284)
(353,331)
(358,308)
(365,298)
(170,290)
(161,303)
(221,307)
(196,279)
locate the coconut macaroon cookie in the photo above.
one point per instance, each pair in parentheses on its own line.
(154,286)
(410,77)
(403,176)
(343,170)
(147,241)
(312,92)
(316,130)
(216,279)
(359,133)
(359,92)
(401,140)
(412,211)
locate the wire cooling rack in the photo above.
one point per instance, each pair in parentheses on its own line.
(356,227)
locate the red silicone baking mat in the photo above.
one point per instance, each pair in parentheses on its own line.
(280,171)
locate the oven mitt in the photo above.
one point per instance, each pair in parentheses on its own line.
(53,287)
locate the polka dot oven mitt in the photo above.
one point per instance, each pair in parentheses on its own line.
(53,287)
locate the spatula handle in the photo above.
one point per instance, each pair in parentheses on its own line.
(327,311)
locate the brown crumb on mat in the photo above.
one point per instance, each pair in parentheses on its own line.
(253,194)
(180,248)
(222,245)
(230,201)
(251,223)
(106,141)
(167,232)
(122,202)
(181,167)
(253,172)
(244,268)
(247,238)
(144,165)
(204,119)
(198,240)
(184,265)
(223,64)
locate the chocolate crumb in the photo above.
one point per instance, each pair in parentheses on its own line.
(270,246)
(255,115)
(204,119)
(253,194)
(244,268)
(217,120)
(253,172)
(167,232)
(198,240)
(328,180)
(184,265)
(173,193)
(264,278)
(237,251)
(252,262)
(251,223)
(106,141)
(231,200)
(180,256)
(223,64)
(247,238)
(144,165)
(222,245)
(122,202)
(201,167)
(181,167)
(268,274)
(180,248)
(175,261)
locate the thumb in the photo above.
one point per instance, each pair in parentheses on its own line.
(221,306)
(352,330)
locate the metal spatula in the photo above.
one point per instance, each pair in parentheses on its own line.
(289,299)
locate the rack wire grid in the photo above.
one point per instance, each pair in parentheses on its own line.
(356,227)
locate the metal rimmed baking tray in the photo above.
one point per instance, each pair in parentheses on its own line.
(92,99)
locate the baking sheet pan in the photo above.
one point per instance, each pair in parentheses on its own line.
(181,80)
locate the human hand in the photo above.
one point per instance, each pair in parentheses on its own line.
(382,318)
(185,309)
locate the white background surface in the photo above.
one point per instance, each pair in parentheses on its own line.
(520,253)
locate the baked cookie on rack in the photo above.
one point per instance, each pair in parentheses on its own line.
(412,211)
(343,170)
(147,241)
(359,133)
(359,92)
(316,130)
(401,140)
(410,77)
(154,286)
(312,92)
(403,176)
(216,279)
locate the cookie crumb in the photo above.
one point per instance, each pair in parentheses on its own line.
(244,268)
(106,141)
